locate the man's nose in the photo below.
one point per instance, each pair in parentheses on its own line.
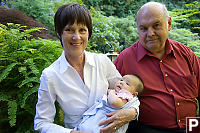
(150,31)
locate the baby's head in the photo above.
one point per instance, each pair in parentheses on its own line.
(131,83)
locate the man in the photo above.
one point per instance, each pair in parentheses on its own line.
(170,72)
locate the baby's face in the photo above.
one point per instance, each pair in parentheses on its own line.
(127,82)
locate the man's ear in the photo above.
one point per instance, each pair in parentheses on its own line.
(169,23)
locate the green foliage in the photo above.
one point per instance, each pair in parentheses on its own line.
(124,8)
(104,35)
(5,73)
(12,110)
(55,4)
(41,10)
(186,37)
(188,16)
(126,28)
(119,8)
(182,34)
(112,33)
(22,59)
(38,9)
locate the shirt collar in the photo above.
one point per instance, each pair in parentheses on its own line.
(89,58)
(169,48)
(64,64)
(141,51)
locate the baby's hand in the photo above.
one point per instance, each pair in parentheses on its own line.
(111,91)
(108,91)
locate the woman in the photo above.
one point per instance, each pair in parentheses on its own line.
(77,78)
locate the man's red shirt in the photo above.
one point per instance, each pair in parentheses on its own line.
(171,84)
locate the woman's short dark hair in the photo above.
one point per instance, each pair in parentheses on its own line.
(68,14)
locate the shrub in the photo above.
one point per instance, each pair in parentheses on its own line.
(41,10)
(186,37)
(22,59)
(188,16)
(38,9)
(112,32)
(104,36)
(127,30)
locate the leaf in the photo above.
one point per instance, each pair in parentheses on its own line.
(32,79)
(4,97)
(32,66)
(197,106)
(4,59)
(27,94)
(12,110)
(5,73)
(22,69)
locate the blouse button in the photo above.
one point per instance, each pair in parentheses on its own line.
(161,61)
(178,104)
(166,74)
(171,90)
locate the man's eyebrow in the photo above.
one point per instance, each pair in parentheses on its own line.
(141,26)
(158,21)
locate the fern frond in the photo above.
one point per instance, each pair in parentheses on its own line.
(28,31)
(45,60)
(27,94)
(5,73)
(23,70)
(4,58)
(4,97)
(12,110)
(42,58)
(32,66)
(32,79)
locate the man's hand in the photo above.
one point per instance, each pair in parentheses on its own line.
(117,119)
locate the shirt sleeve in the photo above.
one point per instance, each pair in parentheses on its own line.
(196,69)
(45,109)
(118,62)
(112,73)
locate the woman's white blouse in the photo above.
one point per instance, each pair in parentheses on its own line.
(61,82)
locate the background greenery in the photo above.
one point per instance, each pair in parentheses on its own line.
(22,58)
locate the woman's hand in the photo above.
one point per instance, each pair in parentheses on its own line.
(74,131)
(117,119)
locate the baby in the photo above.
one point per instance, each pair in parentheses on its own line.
(124,95)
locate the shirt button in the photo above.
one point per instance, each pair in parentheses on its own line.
(161,61)
(178,104)
(179,120)
(166,74)
(171,90)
